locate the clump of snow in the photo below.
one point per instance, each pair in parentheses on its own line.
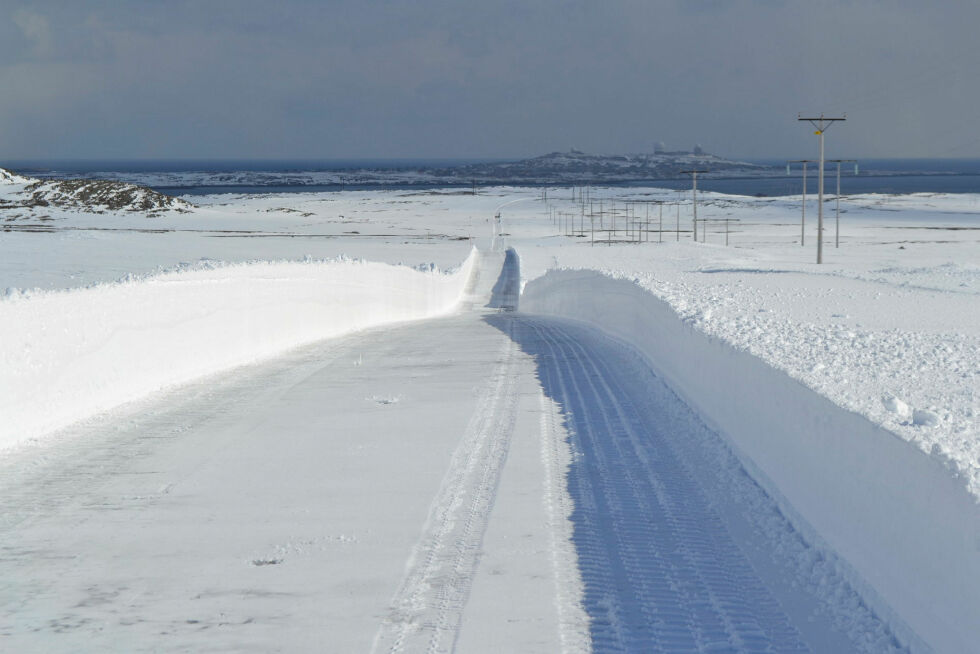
(385,400)
(924,418)
(896,406)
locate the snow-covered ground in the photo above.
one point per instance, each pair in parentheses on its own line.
(886,330)
(887,326)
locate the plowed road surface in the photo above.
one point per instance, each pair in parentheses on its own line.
(486,482)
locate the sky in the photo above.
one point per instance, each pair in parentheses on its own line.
(341,79)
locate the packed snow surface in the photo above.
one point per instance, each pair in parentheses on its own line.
(882,339)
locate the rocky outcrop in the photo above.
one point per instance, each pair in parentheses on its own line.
(92,195)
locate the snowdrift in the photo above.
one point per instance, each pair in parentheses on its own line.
(68,355)
(907,528)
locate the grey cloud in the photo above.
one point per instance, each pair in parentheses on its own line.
(35,27)
(507,78)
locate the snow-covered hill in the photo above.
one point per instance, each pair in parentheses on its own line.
(7,177)
(581,167)
(88,195)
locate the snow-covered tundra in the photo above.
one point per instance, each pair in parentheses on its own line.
(315,421)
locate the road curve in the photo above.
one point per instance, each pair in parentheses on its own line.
(486,482)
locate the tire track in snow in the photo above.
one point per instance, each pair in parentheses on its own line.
(661,572)
(427,609)
(73,463)
(573,622)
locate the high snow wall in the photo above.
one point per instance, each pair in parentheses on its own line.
(906,527)
(67,355)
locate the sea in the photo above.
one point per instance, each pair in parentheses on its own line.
(205,177)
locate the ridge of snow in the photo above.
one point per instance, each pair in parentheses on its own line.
(829,360)
(67,355)
(896,517)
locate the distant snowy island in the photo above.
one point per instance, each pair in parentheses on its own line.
(664,169)
(576,167)
(134,190)
(559,168)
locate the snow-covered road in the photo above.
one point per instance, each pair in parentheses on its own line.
(489,481)
(677,548)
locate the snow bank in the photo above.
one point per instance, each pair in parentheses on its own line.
(70,354)
(906,526)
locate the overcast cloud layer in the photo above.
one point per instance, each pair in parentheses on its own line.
(453,78)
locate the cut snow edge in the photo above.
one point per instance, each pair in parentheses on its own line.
(906,526)
(68,355)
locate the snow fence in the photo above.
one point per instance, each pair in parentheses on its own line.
(905,525)
(68,355)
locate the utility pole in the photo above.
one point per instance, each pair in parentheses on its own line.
(822,124)
(694,179)
(660,238)
(837,221)
(803,213)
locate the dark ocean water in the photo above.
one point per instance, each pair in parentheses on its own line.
(38,167)
(873,176)
(197,177)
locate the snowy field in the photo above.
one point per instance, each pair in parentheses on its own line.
(816,460)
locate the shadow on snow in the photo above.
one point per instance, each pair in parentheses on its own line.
(506,292)
(660,571)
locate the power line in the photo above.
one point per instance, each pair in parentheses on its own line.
(822,124)
(803,203)
(694,179)
(837,219)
